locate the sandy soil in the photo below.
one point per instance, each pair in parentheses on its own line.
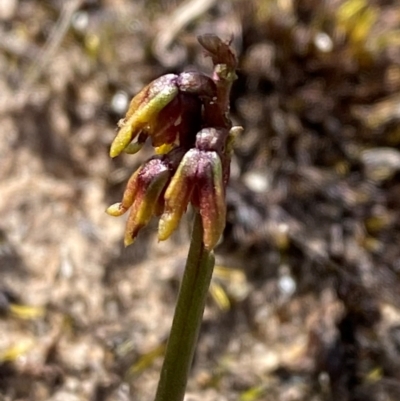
(305,301)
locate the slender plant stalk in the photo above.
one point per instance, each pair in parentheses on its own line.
(187,319)
(191,111)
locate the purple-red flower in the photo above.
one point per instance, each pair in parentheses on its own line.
(143,192)
(199,180)
(186,118)
(166,110)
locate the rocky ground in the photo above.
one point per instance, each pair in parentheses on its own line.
(305,300)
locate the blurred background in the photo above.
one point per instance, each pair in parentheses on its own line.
(305,299)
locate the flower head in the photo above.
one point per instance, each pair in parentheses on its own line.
(186,118)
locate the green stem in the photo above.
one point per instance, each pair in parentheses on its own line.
(187,319)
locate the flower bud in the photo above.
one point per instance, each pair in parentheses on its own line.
(219,51)
(212,139)
(196,83)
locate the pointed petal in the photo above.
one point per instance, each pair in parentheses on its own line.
(178,194)
(212,199)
